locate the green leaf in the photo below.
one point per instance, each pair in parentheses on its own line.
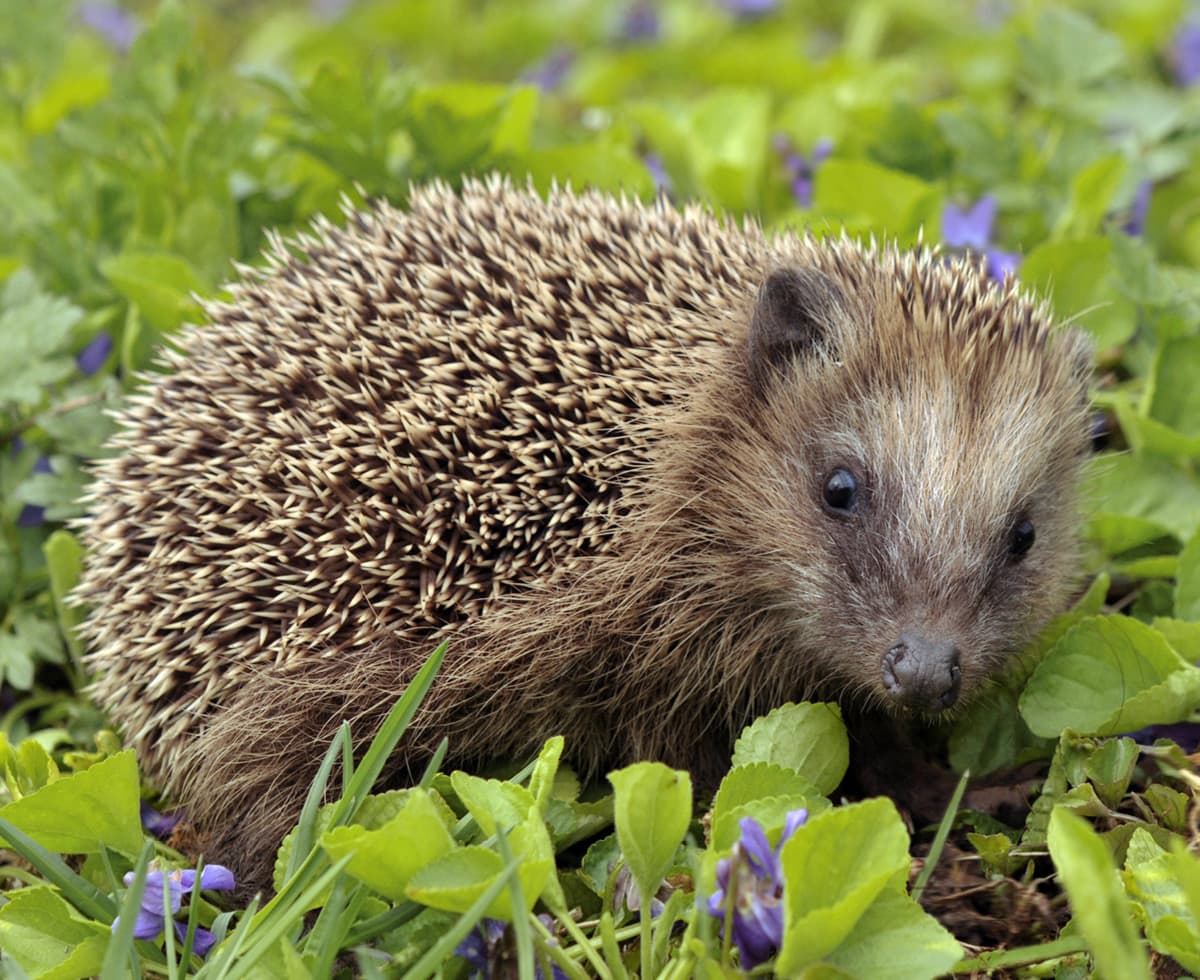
(34,327)
(545,769)
(728,141)
(64,560)
(1145,486)
(764,791)
(1098,903)
(387,859)
(46,937)
(1108,675)
(835,867)
(1078,276)
(809,738)
(1187,585)
(456,881)
(652,807)
(86,811)
(1064,52)
(1176,396)
(159,284)
(870,199)
(1160,900)
(1092,193)
(494,804)
(896,938)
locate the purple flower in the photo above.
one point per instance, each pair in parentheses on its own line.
(549,73)
(1184,55)
(151,917)
(640,22)
(118,27)
(750,888)
(161,825)
(34,515)
(91,359)
(971,228)
(802,170)
(1135,221)
(749,9)
(481,949)
(658,173)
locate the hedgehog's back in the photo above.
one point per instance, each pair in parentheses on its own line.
(394,424)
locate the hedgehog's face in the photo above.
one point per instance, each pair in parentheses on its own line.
(931,483)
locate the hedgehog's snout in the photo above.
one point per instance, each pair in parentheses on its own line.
(923,673)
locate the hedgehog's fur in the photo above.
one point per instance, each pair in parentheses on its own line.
(546,430)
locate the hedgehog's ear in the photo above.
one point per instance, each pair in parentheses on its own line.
(793,316)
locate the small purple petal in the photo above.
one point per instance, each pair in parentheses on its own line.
(43,465)
(31,516)
(822,151)
(802,191)
(795,820)
(755,943)
(1185,54)
(756,847)
(970,228)
(148,925)
(749,8)
(1185,734)
(91,359)
(658,173)
(214,877)
(640,22)
(118,27)
(202,941)
(551,71)
(1001,265)
(158,824)
(1135,223)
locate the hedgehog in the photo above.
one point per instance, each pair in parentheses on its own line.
(649,472)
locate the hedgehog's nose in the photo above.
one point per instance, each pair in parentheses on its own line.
(922,673)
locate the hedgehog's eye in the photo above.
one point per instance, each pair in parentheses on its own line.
(841,491)
(1020,539)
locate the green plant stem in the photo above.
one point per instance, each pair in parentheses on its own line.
(557,953)
(1004,958)
(646,950)
(587,946)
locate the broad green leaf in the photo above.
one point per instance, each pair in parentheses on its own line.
(1176,396)
(542,781)
(834,868)
(896,938)
(158,283)
(1108,675)
(1078,276)
(1145,486)
(46,937)
(652,807)
(83,812)
(729,137)
(1099,907)
(1160,900)
(34,328)
(809,738)
(1063,52)
(494,804)
(454,881)
(64,559)
(770,811)
(870,199)
(1092,193)
(762,790)
(387,859)
(1187,585)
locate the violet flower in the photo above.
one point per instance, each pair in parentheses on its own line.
(481,949)
(91,359)
(160,825)
(151,918)
(641,22)
(749,9)
(117,26)
(971,228)
(34,515)
(750,890)
(549,73)
(802,170)
(658,173)
(1135,221)
(1184,56)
